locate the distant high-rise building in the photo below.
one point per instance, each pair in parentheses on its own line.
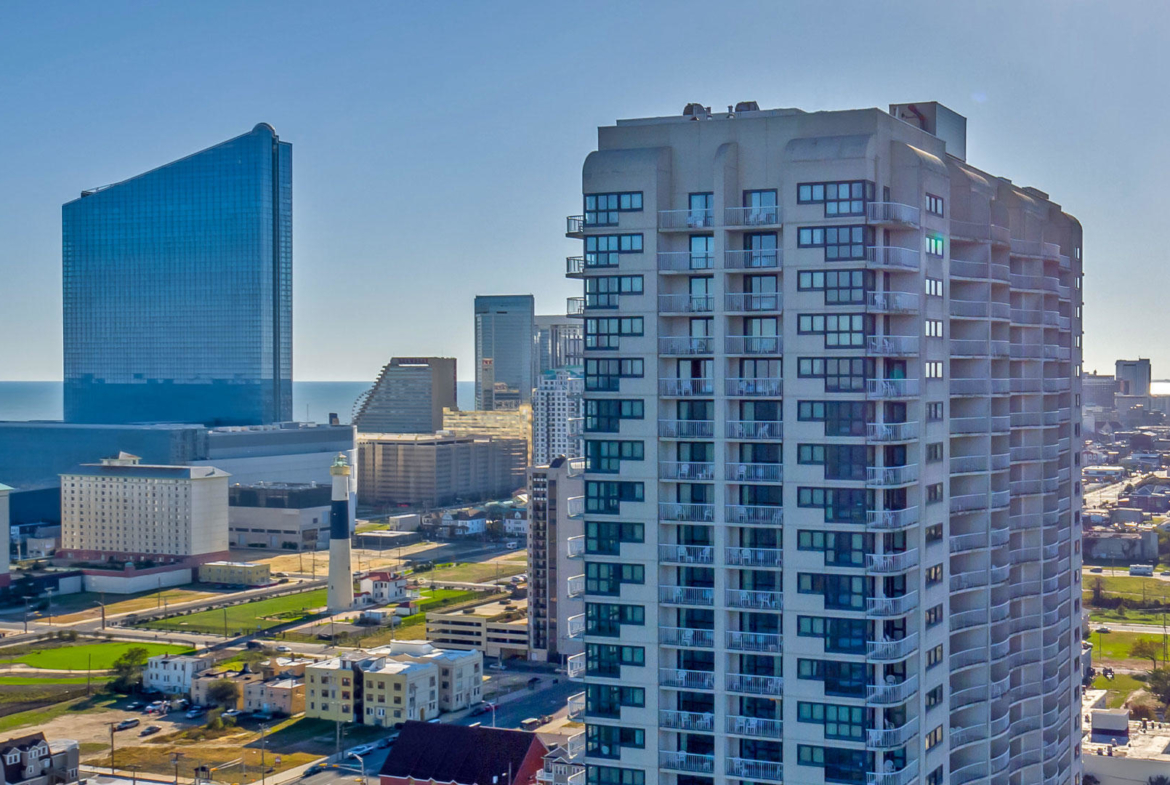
(178,290)
(832,513)
(556,545)
(408,397)
(1099,390)
(1133,377)
(559,342)
(5,522)
(556,415)
(504,344)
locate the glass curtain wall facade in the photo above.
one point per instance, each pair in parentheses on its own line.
(505,339)
(178,290)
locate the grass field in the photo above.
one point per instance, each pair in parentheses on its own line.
(1119,688)
(1112,616)
(1115,646)
(80,656)
(22,681)
(1128,587)
(41,716)
(87,606)
(248,617)
(476,572)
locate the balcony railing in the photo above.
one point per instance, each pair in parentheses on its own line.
(686,680)
(575,306)
(893,345)
(755,429)
(891,520)
(755,600)
(892,651)
(748,302)
(686,554)
(891,738)
(686,471)
(751,684)
(685,220)
(753,557)
(754,514)
(575,547)
(576,703)
(893,258)
(576,625)
(893,302)
(884,607)
(758,727)
(575,666)
(686,761)
(685,388)
(754,344)
(686,720)
(574,266)
(892,694)
(890,476)
(892,213)
(576,586)
(684,261)
(574,225)
(890,563)
(903,776)
(754,641)
(686,595)
(891,431)
(575,506)
(891,388)
(755,770)
(686,345)
(751,216)
(753,387)
(693,513)
(686,429)
(753,472)
(686,303)
(686,637)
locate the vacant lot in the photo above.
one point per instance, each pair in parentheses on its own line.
(1131,588)
(248,617)
(477,572)
(1113,647)
(39,717)
(65,656)
(86,604)
(1119,688)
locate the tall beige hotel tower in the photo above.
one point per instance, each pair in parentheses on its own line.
(831,409)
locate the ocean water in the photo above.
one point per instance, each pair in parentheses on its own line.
(312,401)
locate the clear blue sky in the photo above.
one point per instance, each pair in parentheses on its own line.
(438,146)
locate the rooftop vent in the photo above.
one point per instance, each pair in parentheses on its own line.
(697,111)
(747,106)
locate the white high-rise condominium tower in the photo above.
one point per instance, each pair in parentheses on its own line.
(832,399)
(556,415)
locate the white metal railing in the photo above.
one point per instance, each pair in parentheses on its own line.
(752,216)
(887,563)
(754,641)
(755,599)
(686,554)
(753,344)
(759,727)
(756,770)
(892,212)
(890,476)
(893,258)
(754,514)
(891,606)
(891,431)
(686,680)
(575,546)
(686,303)
(892,651)
(686,761)
(686,637)
(574,306)
(576,585)
(753,259)
(904,776)
(753,684)
(685,388)
(747,301)
(893,693)
(753,557)
(889,738)
(753,472)
(576,703)
(755,386)
(891,519)
(686,345)
(684,261)
(695,513)
(755,429)
(686,471)
(683,220)
(574,224)
(893,345)
(686,429)
(575,665)
(891,388)
(893,302)
(574,266)
(686,720)
(686,595)
(576,625)
(575,506)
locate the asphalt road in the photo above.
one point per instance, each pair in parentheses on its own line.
(548,699)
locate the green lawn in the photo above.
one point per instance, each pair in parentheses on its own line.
(475,572)
(246,618)
(1128,587)
(79,657)
(39,717)
(1130,616)
(1114,646)
(22,681)
(1119,688)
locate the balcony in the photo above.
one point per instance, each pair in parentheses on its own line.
(575,306)
(892,302)
(755,770)
(755,600)
(575,226)
(745,388)
(686,595)
(893,258)
(686,429)
(753,472)
(757,259)
(764,642)
(685,388)
(574,266)
(753,557)
(756,514)
(684,345)
(752,303)
(892,213)
(575,506)
(576,703)
(756,727)
(893,345)
(887,607)
(684,261)
(969,502)
(575,666)
(576,586)
(751,684)
(686,680)
(753,344)
(903,776)
(686,721)
(1029,248)
(685,220)
(575,547)
(891,563)
(891,388)
(890,476)
(891,432)
(891,520)
(755,430)
(686,554)
(576,625)
(892,694)
(751,216)
(686,303)
(892,651)
(686,637)
(686,761)
(970,231)
(686,513)
(686,471)
(891,738)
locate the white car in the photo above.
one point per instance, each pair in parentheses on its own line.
(362,750)
(232,713)
(283,649)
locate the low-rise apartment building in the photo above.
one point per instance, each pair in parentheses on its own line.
(371,689)
(460,670)
(32,760)
(201,685)
(498,629)
(235,573)
(172,674)
(279,697)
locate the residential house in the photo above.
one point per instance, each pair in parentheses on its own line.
(172,674)
(438,753)
(383,587)
(201,685)
(281,696)
(460,670)
(32,760)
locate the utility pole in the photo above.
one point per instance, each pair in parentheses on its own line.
(225,621)
(111,724)
(88,672)
(158,596)
(175,756)
(50,593)
(263,765)
(26,615)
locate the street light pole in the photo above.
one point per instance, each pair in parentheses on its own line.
(175,762)
(263,765)
(362,763)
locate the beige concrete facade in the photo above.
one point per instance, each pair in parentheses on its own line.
(235,573)
(498,629)
(460,670)
(372,688)
(278,697)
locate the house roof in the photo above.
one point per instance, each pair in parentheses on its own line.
(459,754)
(13,772)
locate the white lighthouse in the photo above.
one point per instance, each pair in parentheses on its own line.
(340,594)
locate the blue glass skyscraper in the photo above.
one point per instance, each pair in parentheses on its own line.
(178,290)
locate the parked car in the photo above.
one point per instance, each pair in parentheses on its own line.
(482,708)
(232,713)
(255,645)
(1103,628)
(316,768)
(386,741)
(132,705)
(284,649)
(1096,569)
(363,750)
(150,730)
(126,725)
(196,711)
